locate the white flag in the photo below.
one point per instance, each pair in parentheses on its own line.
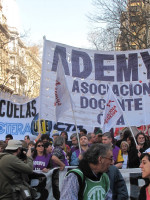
(113,111)
(63,101)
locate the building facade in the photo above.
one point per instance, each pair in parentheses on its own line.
(135,26)
(20,68)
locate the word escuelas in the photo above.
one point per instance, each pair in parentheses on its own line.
(12,110)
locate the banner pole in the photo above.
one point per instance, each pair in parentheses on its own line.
(76,130)
(44,39)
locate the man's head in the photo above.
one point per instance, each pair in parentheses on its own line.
(83,140)
(74,139)
(27,139)
(14,146)
(140,138)
(106,138)
(99,138)
(8,137)
(99,157)
(91,138)
(59,142)
(83,132)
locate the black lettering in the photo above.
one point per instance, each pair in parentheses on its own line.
(60,52)
(15,111)
(87,64)
(83,102)
(2,102)
(33,103)
(21,114)
(138,104)
(84,86)
(100,67)
(146,59)
(75,87)
(28,112)
(9,109)
(122,67)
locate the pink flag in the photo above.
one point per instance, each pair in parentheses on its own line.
(63,101)
(113,111)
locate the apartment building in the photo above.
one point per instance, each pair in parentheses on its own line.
(20,68)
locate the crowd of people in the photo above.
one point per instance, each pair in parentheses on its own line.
(97,159)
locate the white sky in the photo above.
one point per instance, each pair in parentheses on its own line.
(61,21)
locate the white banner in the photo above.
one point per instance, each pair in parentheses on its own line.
(87,74)
(22,119)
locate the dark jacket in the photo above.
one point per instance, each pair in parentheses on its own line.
(142,195)
(11,170)
(117,184)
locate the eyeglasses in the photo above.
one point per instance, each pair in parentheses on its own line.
(111,159)
(40,145)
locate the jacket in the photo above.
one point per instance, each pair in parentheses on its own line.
(142,195)
(11,170)
(117,184)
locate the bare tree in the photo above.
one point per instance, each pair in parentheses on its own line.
(126,21)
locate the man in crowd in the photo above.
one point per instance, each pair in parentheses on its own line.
(91,138)
(118,159)
(74,141)
(77,155)
(95,162)
(83,132)
(12,168)
(8,137)
(27,139)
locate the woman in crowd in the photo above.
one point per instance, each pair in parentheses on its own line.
(68,144)
(133,158)
(41,160)
(145,168)
(124,151)
(48,147)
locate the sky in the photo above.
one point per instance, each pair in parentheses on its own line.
(62,21)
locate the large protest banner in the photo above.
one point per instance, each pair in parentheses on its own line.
(23,119)
(88,74)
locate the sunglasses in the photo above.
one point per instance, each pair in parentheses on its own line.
(40,145)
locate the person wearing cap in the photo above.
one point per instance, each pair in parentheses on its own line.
(12,168)
(55,135)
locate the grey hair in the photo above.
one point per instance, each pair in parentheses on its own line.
(95,151)
(107,134)
(73,135)
(59,141)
